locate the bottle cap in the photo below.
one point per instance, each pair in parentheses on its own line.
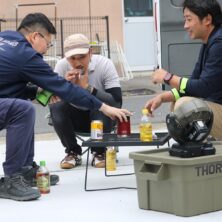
(145,111)
(42,163)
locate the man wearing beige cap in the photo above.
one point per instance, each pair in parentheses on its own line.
(96,74)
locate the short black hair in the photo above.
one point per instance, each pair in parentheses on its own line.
(204,7)
(37,20)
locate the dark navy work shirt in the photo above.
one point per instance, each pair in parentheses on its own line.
(206,79)
(21,64)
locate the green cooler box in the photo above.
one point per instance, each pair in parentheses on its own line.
(183,187)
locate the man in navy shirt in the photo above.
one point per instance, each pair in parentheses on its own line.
(203,19)
(21,63)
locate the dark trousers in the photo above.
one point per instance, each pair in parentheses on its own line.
(18,118)
(68,119)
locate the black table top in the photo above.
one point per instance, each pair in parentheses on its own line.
(131,140)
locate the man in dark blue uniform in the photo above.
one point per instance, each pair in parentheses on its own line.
(21,63)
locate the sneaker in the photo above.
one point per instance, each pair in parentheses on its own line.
(16,188)
(98,160)
(70,161)
(30,175)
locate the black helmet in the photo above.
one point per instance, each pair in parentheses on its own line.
(190,122)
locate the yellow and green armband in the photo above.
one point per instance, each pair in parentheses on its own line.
(183,85)
(175,93)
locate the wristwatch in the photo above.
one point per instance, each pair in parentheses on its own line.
(168,76)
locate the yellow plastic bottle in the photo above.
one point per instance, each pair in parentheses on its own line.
(145,128)
(110,159)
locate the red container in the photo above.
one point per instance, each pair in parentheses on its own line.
(123,128)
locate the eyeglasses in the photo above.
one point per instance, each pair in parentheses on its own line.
(49,44)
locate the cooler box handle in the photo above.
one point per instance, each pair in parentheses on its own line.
(153,171)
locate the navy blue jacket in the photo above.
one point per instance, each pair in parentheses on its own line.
(21,64)
(206,79)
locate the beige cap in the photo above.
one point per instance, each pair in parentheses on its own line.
(76,44)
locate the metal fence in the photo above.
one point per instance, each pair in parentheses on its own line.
(95,28)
